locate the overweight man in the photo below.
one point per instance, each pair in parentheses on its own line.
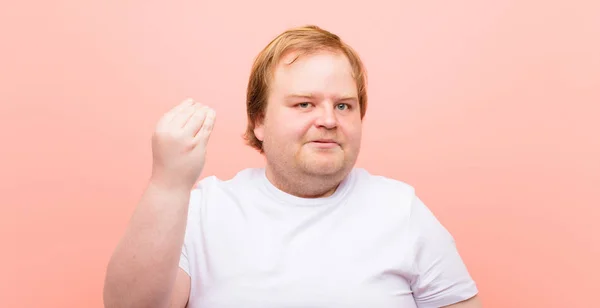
(309,229)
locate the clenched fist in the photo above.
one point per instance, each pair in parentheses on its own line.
(179,144)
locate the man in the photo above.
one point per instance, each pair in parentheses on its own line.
(309,229)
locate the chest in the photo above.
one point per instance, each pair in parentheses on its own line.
(320,259)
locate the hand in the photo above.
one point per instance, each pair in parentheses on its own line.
(179,144)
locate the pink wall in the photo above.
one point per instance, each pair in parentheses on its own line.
(489,108)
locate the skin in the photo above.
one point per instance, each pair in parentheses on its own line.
(155,233)
(312,128)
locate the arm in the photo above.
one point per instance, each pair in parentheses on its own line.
(181,291)
(144,268)
(441,278)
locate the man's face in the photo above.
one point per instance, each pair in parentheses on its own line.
(312,122)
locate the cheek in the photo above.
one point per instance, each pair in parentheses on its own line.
(290,128)
(353,132)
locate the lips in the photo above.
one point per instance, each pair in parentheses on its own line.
(325,141)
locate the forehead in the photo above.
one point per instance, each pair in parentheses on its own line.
(321,73)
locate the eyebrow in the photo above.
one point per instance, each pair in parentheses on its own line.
(299,96)
(311,96)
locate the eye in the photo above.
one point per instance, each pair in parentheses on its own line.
(342,106)
(304,105)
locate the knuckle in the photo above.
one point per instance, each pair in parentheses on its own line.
(189,143)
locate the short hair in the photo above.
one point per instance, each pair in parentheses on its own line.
(304,40)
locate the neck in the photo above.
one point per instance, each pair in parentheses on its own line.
(303,185)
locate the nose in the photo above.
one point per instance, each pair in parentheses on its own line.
(327,117)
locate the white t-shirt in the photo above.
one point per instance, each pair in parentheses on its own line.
(372,243)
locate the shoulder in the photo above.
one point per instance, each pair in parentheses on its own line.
(381,182)
(240,180)
(383,188)
(390,202)
(437,274)
(212,188)
(397,198)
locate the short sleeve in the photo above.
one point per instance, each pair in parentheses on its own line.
(184,262)
(440,276)
(188,242)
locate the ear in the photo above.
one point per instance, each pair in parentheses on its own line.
(259,130)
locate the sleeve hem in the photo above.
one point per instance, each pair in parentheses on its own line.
(462,295)
(184,266)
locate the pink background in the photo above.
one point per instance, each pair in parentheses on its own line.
(491,109)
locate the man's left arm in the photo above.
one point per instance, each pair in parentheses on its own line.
(441,278)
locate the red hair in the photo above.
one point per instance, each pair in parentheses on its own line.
(303,40)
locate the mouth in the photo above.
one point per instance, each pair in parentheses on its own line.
(324,143)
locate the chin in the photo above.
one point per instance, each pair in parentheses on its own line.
(324,166)
(324,162)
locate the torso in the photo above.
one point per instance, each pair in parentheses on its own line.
(250,245)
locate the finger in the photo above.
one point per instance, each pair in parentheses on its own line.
(183,116)
(207,127)
(175,110)
(196,121)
